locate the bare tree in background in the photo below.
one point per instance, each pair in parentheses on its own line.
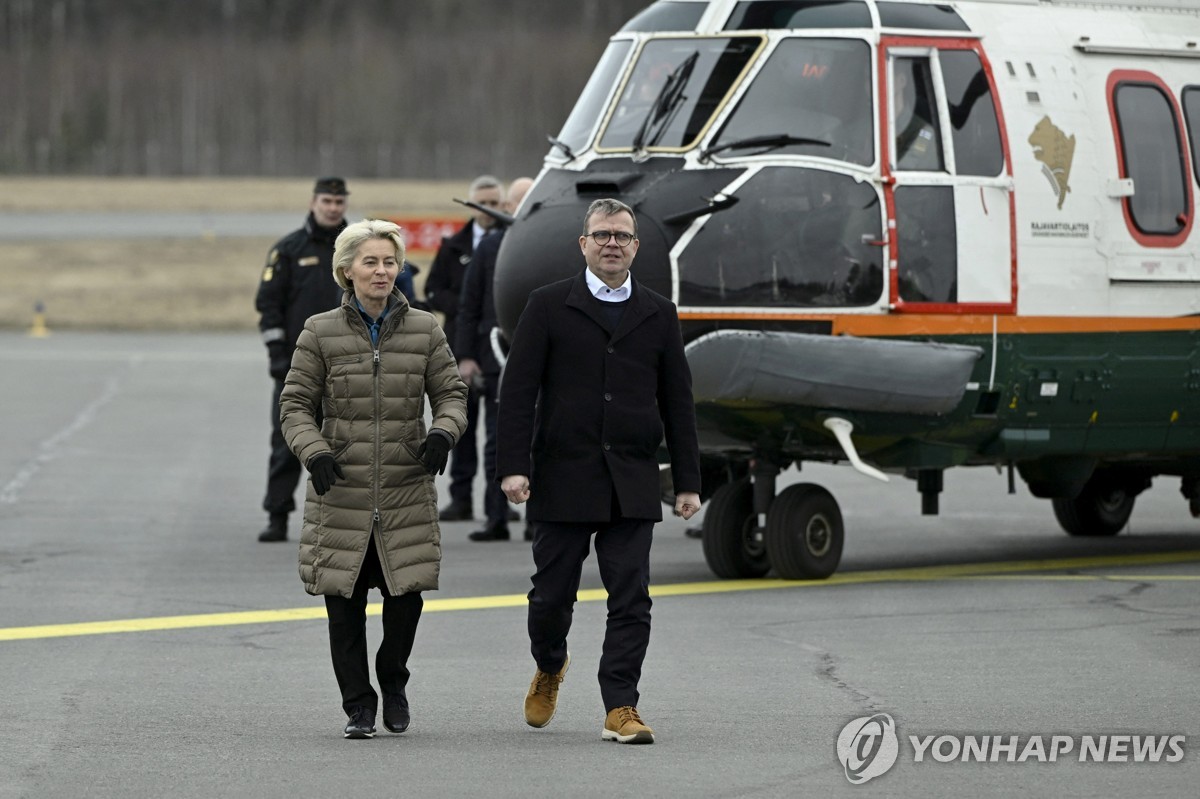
(373,88)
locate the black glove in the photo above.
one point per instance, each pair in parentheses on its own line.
(325,472)
(433,453)
(279,360)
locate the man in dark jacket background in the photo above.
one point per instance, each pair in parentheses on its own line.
(476,360)
(443,289)
(596,378)
(295,285)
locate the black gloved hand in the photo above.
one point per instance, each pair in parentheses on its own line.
(325,472)
(280,362)
(433,453)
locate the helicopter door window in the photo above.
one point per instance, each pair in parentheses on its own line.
(918,139)
(975,132)
(674,89)
(928,246)
(1191,112)
(1152,155)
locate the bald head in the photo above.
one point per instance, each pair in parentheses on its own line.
(516,192)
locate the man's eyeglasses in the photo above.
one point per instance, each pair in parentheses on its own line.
(601,237)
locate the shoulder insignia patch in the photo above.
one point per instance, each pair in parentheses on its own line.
(268,273)
(273,258)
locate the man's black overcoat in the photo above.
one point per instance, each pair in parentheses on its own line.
(444,282)
(605,404)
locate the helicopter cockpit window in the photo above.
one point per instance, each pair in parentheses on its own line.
(918,142)
(673,91)
(973,125)
(909,15)
(666,16)
(1153,157)
(799,238)
(577,130)
(812,97)
(768,14)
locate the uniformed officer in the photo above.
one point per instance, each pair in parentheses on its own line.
(296,284)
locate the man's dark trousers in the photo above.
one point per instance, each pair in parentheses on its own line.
(464,458)
(283,471)
(495,504)
(348,638)
(623,555)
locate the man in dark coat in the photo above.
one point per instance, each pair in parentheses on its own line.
(295,285)
(476,360)
(443,288)
(595,378)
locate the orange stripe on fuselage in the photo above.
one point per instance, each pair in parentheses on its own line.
(972,324)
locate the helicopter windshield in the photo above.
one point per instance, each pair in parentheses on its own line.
(818,92)
(674,89)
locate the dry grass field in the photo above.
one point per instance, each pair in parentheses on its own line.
(170,284)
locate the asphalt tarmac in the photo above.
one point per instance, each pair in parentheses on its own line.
(149,646)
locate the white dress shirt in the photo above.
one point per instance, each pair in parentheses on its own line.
(602,292)
(477,233)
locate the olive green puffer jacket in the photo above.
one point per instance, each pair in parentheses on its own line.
(373,403)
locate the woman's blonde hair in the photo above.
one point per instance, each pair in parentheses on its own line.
(350,239)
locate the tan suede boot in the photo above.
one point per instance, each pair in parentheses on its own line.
(624,725)
(542,699)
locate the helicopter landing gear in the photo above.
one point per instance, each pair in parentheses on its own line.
(1102,508)
(805,533)
(802,538)
(733,542)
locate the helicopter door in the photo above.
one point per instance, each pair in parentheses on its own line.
(947,181)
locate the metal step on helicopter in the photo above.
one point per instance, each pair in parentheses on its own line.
(904,235)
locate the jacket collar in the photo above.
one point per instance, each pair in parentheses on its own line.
(639,308)
(397,307)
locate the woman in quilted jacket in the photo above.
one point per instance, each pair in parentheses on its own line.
(370,512)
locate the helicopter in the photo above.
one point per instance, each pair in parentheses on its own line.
(903,235)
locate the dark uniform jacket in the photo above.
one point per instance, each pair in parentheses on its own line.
(297,283)
(444,284)
(477,307)
(606,402)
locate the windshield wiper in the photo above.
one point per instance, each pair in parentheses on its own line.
(666,103)
(562,146)
(771,142)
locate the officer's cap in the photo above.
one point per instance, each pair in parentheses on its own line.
(330,186)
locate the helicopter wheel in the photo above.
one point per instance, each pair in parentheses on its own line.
(733,546)
(1102,508)
(805,533)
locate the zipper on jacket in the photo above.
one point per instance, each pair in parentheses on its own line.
(376,366)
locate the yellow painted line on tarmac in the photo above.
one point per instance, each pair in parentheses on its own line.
(1016,570)
(1064,578)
